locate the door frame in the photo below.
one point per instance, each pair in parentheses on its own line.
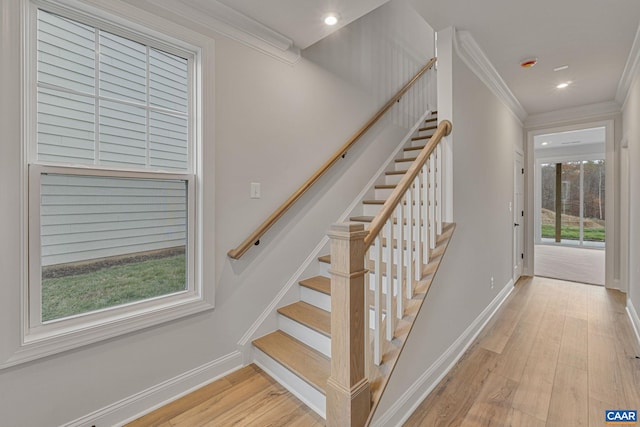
(517,217)
(611,171)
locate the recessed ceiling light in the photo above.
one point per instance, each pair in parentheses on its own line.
(545,143)
(331,19)
(563,85)
(563,67)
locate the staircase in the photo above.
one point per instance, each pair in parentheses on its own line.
(298,354)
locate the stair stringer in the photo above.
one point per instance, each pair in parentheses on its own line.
(267,320)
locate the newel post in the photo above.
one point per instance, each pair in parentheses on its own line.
(348,391)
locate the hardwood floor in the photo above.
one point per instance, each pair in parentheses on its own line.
(247,397)
(556,354)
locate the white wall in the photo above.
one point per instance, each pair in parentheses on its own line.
(631,133)
(265,121)
(485,134)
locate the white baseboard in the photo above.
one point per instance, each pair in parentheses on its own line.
(635,320)
(139,404)
(402,409)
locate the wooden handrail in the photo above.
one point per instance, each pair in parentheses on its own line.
(254,237)
(444,128)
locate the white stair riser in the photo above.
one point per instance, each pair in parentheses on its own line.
(392,179)
(370,210)
(315,298)
(296,385)
(313,339)
(401,166)
(413,153)
(382,193)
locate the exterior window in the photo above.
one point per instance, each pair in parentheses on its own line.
(112,158)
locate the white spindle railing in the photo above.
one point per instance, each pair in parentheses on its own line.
(395,250)
(411,221)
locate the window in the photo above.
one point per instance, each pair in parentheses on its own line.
(113,156)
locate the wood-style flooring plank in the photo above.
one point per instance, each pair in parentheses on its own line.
(245,397)
(570,356)
(574,343)
(453,398)
(569,398)
(493,404)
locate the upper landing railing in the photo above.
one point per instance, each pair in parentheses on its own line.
(254,238)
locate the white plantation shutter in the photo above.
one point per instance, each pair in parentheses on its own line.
(136,115)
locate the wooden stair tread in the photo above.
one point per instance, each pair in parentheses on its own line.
(317,283)
(361,218)
(311,316)
(384,186)
(395,172)
(409,159)
(435,119)
(419,138)
(310,365)
(373,202)
(427,128)
(418,148)
(325,258)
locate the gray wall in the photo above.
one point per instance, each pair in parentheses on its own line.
(631,133)
(485,135)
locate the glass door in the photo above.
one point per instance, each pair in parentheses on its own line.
(572,202)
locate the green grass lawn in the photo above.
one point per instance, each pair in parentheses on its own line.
(112,286)
(573,233)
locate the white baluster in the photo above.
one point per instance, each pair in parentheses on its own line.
(439,218)
(432,199)
(424,210)
(400,267)
(377,304)
(368,355)
(410,241)
(417,269)
(390,318)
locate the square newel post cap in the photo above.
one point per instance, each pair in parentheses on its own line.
(347,230)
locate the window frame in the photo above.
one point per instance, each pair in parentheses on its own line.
(38,339)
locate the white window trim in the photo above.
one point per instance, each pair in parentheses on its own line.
(41,342)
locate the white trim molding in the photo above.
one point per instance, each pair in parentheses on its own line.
(406,404)
(581,113)
(470,52)
(633,317)
(154,397)
(218,17)
(631,69)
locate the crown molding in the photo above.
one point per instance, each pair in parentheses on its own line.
(218,17)
(472,55)
(631,69)
(583,113)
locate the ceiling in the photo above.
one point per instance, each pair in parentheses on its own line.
(592,37)
(301,20)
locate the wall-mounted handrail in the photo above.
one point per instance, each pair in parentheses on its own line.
(444,129)
(278,213)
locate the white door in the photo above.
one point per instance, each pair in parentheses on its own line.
(518,216)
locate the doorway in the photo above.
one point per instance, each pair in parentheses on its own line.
(570,205)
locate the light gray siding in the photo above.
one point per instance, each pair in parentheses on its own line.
(141,92)
(87,217)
